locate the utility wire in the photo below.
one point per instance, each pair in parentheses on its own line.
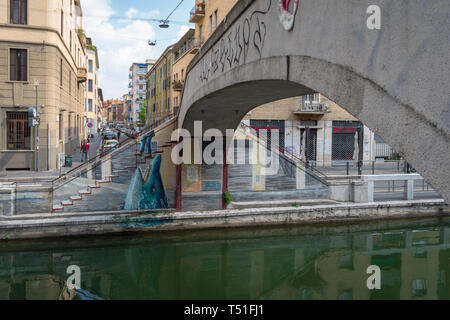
(167,19)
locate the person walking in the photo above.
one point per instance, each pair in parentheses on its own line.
(84,150)
(118,136)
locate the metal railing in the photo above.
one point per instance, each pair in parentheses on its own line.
(94,163)
(313,171)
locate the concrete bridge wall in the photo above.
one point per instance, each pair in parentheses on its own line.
(395,80)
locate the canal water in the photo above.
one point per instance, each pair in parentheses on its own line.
(301,262)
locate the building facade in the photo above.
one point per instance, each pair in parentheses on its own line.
(329,130)
(137,90)
(159,92)
(41,42)
(207,15)
(91,102)
(113,111)
(183,52)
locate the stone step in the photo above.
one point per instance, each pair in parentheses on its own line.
(93,186)
(84,192)
(113,176)
(120,171)
(66,203)
(130,167)
(102,181)
(58,207)
(76,198)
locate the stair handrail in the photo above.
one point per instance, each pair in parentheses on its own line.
(314,172)
(122,144)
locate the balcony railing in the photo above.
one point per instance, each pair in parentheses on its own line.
(177,85)
(140,81)
(81,75)
(198,12)
(313,107)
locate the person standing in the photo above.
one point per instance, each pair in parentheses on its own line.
(118,136)
(84,150)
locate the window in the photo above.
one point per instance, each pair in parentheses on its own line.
(62,23)
(60,128)
(18,131)
(18,65)
(60,73)
(210,24)
(90,66)
(90,85)
(70,126)
(215,19)
(90,105)
(18,11)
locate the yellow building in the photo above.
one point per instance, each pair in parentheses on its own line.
(184,50)
(42,43)
(91,103)
(207,15)
(159,89)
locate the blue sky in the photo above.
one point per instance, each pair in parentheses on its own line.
(120,31)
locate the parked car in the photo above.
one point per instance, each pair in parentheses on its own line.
(109,145)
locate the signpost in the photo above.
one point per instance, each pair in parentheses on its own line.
(34,120)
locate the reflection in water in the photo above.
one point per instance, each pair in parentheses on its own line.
(275,263)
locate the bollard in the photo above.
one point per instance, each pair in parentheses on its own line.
(347,165)
(373,167)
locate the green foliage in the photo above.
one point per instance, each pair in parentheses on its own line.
(296,205)
(227,197)
(143,112)
(91,47)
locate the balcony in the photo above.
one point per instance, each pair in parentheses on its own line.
(81,75)
(140,81)
(141,71)
(195,45)
(198,12)
(177,85)
(313,108)
(141,91)
(130,85)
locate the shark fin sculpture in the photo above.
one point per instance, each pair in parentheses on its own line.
(147,191)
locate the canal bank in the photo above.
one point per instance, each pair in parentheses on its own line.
(100,223)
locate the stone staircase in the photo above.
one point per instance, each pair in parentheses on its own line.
(103,185)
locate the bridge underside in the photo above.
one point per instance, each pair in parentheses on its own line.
(222,103)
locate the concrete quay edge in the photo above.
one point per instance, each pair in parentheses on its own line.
(100,223)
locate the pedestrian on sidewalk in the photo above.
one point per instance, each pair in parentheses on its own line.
(118,136)
(84,150)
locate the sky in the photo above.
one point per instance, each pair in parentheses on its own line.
(120,32)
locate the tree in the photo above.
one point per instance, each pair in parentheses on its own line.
(143,113)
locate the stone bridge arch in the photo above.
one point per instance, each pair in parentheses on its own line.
(395,80)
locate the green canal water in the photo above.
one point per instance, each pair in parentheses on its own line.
(314,262)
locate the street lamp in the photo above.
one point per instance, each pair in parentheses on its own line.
(36,85)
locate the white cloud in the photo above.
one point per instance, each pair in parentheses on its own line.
(131,13)
(118,45)
(150,14)
(182,32)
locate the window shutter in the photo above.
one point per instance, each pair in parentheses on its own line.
(13,64)
(23,65)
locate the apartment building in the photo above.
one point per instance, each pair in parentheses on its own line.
(207,15)
(329,130)
(137,89)
(91,102)
(159,92)
(43,62)
(113,111)
(100,119)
